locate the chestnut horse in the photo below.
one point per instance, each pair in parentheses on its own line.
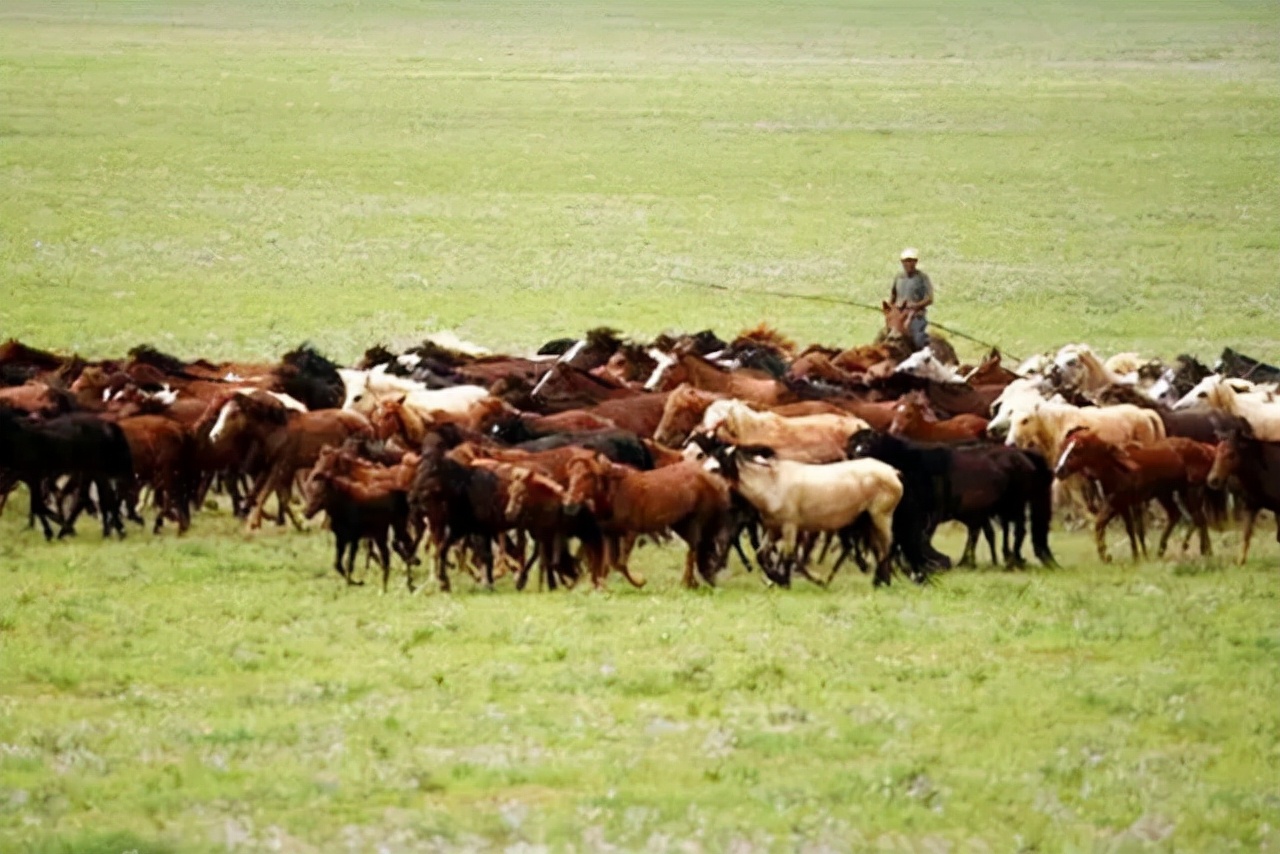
(912,419)
(1129,477)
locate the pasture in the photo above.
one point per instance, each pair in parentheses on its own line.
(229,179)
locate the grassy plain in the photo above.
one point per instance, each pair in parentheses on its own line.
(228,179)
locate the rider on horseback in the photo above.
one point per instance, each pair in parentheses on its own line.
(913,290)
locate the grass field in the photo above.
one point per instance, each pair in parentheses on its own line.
(229,179)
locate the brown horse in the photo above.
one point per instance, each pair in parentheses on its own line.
(684,498)
(990,372)
(682,413)
(1252,467)
(1129,477)
(751,386)
(913,418)
(290,442)
(896,335)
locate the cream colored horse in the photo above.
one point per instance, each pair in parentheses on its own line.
(1046,425)
(1259,407)
(795,498)
(804,438)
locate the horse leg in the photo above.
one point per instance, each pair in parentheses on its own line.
(969,559)
(35,488)
(1104,517)
(628,544)
(1195,500)
(1014,558)
(442,564)
(882,548)
(1131,528)
(353,547)
(1250,518)
(340,546)
(109,507)
(1174,517)
(384,558)
(258,499)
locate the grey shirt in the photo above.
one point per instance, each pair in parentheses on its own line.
(912,288)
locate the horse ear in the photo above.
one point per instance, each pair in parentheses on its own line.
(886,307)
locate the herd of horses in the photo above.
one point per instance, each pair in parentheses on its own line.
(559,463)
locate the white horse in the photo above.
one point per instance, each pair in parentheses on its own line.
(925,365)
(1018,397)
(365,389)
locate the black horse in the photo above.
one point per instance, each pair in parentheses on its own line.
(80,445)
(926,485)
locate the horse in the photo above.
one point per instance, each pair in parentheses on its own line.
(1253,467)
(682,413)
(1082,370)
(795,498)
(563,387)
(990,372)
(809,439)
(1009,484)
(923,364)
(896,334)
(911,419)
(683,498)
(365,388)
(1046,426)
(1235,364)
(290,442)
(164,456)
(362,512)
(1263,416)
(80,445)
(1129,477)
(751,386)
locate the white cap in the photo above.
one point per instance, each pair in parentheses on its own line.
(910,252)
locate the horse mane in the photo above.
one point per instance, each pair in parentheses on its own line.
(145,354)
(430,350)
(764,335)
(378,354)
(304,373)
(14,352)
(604,338)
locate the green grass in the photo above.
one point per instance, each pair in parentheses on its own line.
(228,179)
(225,689)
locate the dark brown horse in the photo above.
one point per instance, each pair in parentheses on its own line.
(1252,468)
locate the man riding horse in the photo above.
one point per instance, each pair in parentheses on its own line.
(913,291)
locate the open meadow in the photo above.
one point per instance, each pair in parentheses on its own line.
(230,179)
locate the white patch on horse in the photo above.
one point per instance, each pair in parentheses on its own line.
(664,361)
(409,360)
(572,352)
(1066,452)
(542,380)
(221,424)
(166,395)
(233,377)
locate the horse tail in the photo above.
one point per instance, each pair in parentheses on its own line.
(1215,506)
(1041,501)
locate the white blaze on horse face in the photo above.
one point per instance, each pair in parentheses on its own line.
(572,352)
(166,395)
(221,424)
(1066,452)
(664,361)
